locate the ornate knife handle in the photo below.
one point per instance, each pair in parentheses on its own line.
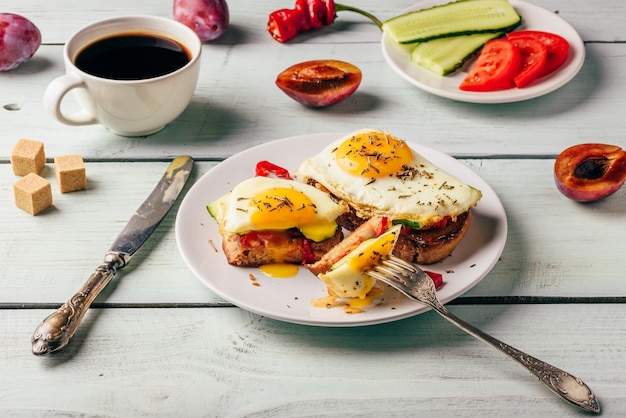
(58,328)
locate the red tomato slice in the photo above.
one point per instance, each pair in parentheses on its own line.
(558,47)
(498,62)
(534,57)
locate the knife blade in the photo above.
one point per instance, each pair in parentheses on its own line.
(56,330)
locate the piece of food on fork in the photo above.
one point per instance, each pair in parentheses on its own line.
(343,268)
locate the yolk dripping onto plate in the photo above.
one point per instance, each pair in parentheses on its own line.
(279,270)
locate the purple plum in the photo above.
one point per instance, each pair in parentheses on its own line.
(207,18)
(19,39)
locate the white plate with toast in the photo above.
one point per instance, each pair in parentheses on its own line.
(290,299)
(533,17)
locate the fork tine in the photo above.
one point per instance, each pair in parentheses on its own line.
(387,270)
(398,268)
(405,277)
(396,273)
(377,275)
(392,278)
(400,262)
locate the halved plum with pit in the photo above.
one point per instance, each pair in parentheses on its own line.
(590,172)
(320,83)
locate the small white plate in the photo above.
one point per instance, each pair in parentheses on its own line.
(533,17)
(290,299)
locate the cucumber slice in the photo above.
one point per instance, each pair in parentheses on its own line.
(444,56)
(407,222)
(462,17)
(320,231)
(214,208)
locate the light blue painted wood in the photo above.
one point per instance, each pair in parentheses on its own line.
(221,361)
(224,362)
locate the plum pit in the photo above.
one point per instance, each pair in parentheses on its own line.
(592,169)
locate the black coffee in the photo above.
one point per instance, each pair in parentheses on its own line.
(132,57)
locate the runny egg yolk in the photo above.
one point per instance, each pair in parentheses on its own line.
(279,270)
(281,208)
(360,302)
(373,253)
(373,154)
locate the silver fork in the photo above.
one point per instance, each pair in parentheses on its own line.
(417,285)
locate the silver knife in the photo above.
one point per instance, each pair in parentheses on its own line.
(58,328)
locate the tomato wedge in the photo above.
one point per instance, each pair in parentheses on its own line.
(534,57)
(498,63)
(558,47)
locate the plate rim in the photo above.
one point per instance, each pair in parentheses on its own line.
(499,240)
(556,80)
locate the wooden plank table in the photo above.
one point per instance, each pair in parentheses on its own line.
(159,343)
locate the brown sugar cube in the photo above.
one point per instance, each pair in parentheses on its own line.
(32,193)
(70,173)
(28,156)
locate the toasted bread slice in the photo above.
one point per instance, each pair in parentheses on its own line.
(421,246)
(265,247)
(432,245)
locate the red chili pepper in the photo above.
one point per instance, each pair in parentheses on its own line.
(265,168)
(285,24)
(436,277)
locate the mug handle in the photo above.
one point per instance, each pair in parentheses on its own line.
(53,98)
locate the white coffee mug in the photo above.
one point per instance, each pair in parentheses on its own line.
(126,107)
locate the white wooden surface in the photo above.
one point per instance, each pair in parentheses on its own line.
(159,343)
(226,362)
